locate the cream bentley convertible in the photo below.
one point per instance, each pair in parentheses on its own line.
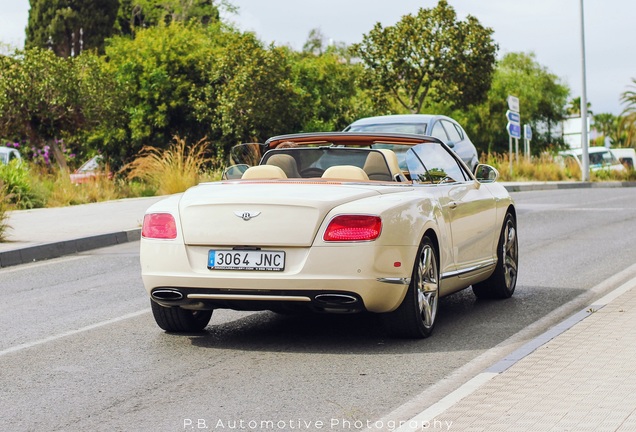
(332,222)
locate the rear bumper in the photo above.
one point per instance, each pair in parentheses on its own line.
(343,278)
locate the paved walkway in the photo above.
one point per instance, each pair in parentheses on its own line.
(578,376)
(53,232)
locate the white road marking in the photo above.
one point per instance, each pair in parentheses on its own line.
(23,346)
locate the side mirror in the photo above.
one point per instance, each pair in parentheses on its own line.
(234,172)
(486,173)
(451,144)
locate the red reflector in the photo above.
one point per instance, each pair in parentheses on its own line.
(397,264)
(159,226)
(353,228)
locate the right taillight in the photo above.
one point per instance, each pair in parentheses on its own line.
(353,228)
(159,226)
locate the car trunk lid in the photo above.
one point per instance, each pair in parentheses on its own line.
(261,213)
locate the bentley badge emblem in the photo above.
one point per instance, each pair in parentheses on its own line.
(247,215)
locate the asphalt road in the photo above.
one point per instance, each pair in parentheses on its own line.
(79,349)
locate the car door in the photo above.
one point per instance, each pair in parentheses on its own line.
(469,207)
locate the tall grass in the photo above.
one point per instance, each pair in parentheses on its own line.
(4,209)
(546,168)
(61,192)
(174,169)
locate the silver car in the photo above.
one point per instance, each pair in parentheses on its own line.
(7,154)
(438,126)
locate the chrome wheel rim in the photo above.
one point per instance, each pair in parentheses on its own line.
(427,286)
(510,254)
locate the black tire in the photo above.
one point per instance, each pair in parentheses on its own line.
(415,317)
(178,320)
(502,283)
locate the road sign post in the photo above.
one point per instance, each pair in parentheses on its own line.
(527,135)
(514,126)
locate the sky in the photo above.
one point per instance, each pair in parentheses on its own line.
(551,29)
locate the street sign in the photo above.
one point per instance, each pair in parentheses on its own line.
(527,132)
(513,103)
(513,116)
(514,129)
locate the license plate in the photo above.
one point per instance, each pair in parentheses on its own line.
(254,260)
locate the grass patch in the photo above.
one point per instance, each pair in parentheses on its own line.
(175,169)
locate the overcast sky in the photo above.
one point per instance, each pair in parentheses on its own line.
(549,28)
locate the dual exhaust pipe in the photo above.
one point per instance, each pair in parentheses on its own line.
(327,300)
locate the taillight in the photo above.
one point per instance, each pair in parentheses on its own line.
(353,228)
(159,226)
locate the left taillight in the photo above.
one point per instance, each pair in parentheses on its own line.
(159,226)
(353,228)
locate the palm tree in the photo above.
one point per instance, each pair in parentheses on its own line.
(629,114)
(574,107)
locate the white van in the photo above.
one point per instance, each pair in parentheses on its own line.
(626,156)
(601,158)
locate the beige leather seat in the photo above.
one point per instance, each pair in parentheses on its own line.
(263,172)
(394,166)
(376,167)
(285,162)
(345,172)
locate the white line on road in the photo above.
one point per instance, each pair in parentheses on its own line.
(71,332)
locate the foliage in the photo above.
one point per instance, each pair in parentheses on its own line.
(430,56)
(628,122)
(44,97)
(16,178)
(162,73)
(138,14)
(174,169)
(254,93)
(69,27)
(4,211)
(541,98)
(329,84)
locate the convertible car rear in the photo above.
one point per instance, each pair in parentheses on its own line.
(332,222)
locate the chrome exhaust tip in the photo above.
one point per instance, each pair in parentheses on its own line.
(336,299)
(167,295)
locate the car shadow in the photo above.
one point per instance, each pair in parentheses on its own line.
(464,323)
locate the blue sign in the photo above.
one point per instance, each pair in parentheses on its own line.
(513,116)
(514,129)
(527,132)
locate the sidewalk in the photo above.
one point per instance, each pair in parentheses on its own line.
(46,233)
(578,376)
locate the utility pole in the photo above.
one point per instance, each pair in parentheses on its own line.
(584,139)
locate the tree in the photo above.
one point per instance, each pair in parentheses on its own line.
(628,123)
(69,27)
(44,97)
(139,14)
(574,107)
(542,98)
(430,57)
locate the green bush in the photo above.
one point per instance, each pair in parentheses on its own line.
(16,177)
(3,212)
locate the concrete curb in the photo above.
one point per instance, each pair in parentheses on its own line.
(66,247)
(536,186)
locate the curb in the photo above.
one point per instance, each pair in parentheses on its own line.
(66,247)
(525,187)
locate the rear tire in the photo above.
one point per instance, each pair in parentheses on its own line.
(178,320)
(502,283)
(415,317)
